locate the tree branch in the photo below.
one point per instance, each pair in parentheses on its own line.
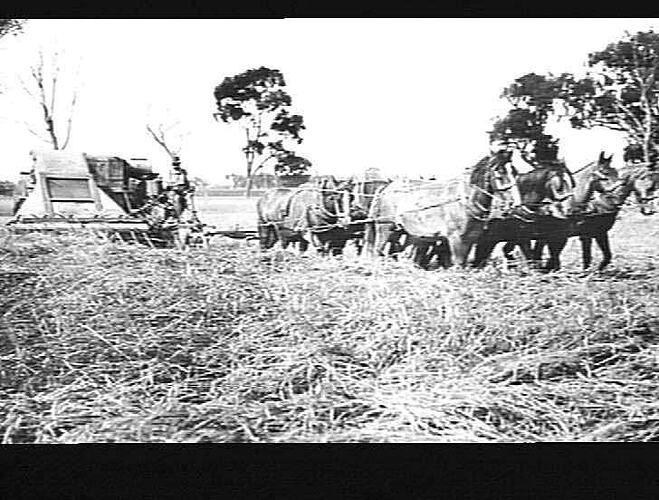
(54,86)
(24,86)
(262,164)
(160,140)
(29,129)
(70,120)
(626,110)
(37,73)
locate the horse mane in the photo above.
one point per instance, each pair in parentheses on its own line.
(480,170)
(634,170)
(327,182)
(558,166)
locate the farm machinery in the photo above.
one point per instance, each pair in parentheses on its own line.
(66,191)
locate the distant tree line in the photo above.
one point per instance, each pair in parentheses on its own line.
(6,188)
(259,181)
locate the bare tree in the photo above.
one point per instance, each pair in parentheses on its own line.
(167,132)
(43,86)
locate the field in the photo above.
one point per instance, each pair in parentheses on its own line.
(108,342)
(227,212)
(5,206)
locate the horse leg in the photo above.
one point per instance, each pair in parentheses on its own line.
(508,249)
(555,248)
(460,249)
(602,240)
(303,245)
(359,246)
(325,247)
(525,247)
(369,240)
(285,241)
(436,250)
(383,233)
(267,236)
(336,247)
(444,253)
(586,250)
(535,253)
(264,236)
(483,252)
(415,253)
(425,254)
(439,250)
(399,241)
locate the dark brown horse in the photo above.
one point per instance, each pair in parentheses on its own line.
(599,189)
(546,192)
(596,219)
(430,213)
(548,227)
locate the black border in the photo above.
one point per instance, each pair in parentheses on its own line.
(295,471)
(279,9)
(327,471)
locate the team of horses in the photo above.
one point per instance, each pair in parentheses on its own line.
(442,221)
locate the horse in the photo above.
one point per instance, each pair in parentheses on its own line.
(597,219)
(363,192)
(310,213)
(551,226)
(545,192)
(590,180)
(437,214)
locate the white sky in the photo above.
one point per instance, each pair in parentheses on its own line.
(410,96)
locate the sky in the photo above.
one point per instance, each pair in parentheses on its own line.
(408,96)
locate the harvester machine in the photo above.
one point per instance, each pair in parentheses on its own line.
(66,191)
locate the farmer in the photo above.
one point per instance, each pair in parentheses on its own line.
(179,186)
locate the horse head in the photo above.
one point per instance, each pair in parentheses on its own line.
(500,178)
(595,177)
(558,187)
(336,197)
(345,201)
(363,193)
(603,161)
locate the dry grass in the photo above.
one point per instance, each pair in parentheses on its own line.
(112,342)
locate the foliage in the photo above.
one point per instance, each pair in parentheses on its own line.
(259,181)
(621,91)
(532,97)
(292,164)
(10,26)
(257,100)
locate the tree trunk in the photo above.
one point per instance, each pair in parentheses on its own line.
(248,189)
(51,130)
(647,125)
(250,174)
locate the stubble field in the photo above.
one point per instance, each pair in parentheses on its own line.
(114,342)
